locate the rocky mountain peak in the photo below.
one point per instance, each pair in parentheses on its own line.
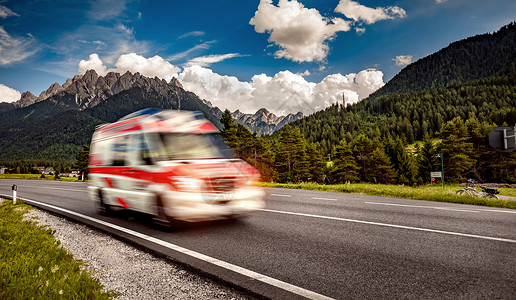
(26,99)
(91,89)
(263,121)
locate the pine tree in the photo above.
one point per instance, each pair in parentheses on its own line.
(381,168)
(426,159)
(346,168)
(456,148)
(82,160)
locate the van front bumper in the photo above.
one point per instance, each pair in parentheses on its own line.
(196,207)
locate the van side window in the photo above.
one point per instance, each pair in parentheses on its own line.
(142,150)
(119,151)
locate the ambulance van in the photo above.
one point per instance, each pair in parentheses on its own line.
(172,165)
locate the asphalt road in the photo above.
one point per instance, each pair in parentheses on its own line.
(343,246)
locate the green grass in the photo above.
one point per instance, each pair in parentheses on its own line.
(37,177)
(34,266)
(427,192)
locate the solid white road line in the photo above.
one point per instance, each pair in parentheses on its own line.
(254,275)
(422,206)
(500,211)
(393,226)
(281,195)
(52,188)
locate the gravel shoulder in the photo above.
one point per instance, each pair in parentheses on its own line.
(133,273)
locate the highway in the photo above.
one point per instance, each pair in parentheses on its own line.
(319,244)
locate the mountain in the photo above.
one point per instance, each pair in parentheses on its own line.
(263,121)
(410,105)
(78,105)
(463,61)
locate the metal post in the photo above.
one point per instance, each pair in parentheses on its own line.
(15,188)
(442,167)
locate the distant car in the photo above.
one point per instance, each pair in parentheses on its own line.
(173,165)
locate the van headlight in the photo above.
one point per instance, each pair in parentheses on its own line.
(186,184)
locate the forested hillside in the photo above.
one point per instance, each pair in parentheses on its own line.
(413,115)
(467,60)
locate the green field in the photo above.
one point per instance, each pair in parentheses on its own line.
(426,192)
(34,266)
(36,177)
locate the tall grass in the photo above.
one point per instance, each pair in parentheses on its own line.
(34,266)
(427,192)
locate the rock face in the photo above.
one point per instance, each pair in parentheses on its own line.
(26,99)
(265,122)
(90,89)
(98,94)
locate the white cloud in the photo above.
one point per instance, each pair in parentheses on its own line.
(440,1)
(8,94)
(132,62)
(6,12)
(15,49)
(305,73)
(150,67)
(207,60)
(403,60)
(191,33)
(223,91)
(281,94)
(361,13)
(205,45)
(301,33)
(93,63)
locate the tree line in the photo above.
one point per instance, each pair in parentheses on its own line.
(289,157)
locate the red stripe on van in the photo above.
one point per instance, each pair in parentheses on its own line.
(122,202)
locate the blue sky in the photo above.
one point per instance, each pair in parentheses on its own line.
(286,56)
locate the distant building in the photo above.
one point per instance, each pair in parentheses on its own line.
(72,174)
(2,170)
(39,169)
(48,171)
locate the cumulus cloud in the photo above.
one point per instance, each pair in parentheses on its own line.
(8,94)
(207,60)
(301,33)
(222,90)
(132,62)
(361,13)
(150,67)
(283,93)
(93,63)
(403,60)
(15,49)
(6,12)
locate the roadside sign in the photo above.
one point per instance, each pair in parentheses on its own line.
(503,139)
(436,174)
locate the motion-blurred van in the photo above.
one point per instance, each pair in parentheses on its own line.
(173,165)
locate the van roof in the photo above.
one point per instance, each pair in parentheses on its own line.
(157,120)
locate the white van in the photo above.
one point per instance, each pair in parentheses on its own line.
(173,165)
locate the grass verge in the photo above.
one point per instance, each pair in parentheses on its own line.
(33,265)
(427,192)
(37,177)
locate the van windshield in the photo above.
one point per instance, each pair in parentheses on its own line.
(195,146)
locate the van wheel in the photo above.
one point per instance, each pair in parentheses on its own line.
(102,208)
(160,219)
